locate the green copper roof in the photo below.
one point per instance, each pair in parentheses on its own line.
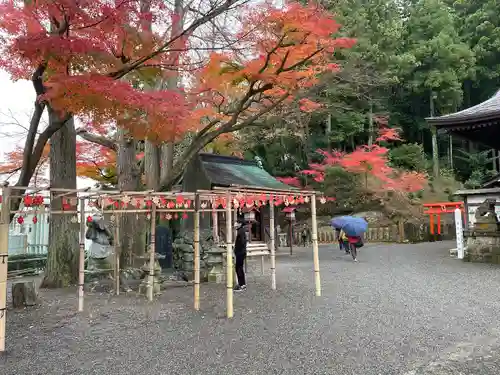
(226,171)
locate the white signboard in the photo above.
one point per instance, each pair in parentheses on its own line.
(460,234)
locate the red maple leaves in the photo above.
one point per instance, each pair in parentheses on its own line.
(88,46)
(366,161)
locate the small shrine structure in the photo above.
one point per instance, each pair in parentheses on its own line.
(211,171)
(479,124)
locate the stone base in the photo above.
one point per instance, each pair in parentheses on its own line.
(217,275)
(24,294)
(143,287)
(483,249)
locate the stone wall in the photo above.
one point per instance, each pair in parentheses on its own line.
(211,256)
(483,248)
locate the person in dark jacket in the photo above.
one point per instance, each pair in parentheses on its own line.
(240,253)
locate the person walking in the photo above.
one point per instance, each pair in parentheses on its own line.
(344,242)
(354,243)
(339,239)
(305,234)
(240,253)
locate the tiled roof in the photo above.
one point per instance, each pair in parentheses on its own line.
(488,110)
(225,171)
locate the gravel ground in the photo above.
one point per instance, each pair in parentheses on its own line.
(403,309)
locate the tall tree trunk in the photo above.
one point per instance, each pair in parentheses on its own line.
(173,82)
(328,131)
(370,124)
(62,260)
(129,179)
(435,152)
(152,163)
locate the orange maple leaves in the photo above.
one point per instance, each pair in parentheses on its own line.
(87,46)
(93,161)
(285,51)
(14,161)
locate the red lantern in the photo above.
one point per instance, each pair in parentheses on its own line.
(89,219)
(116,204)
(37,200)
(35,220)
(176,216)
(28,200)
(20,219)
(184,215)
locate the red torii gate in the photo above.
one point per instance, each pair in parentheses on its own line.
(437,209)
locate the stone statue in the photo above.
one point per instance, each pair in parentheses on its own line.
(102,239)
(101,250)
(486,218)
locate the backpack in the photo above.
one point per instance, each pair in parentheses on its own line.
(359,243)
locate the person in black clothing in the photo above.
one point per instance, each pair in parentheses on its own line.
(240,253)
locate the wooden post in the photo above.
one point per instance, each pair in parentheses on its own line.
(215,225)
(81,255)
(117,257)
(314,234)
(229,259)
(273,240)
(152,250)
(4,252)
(196,252)
(401,227)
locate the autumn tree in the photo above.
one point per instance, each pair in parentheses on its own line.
(286,50)
(94,60)
(378,180)
(84,59)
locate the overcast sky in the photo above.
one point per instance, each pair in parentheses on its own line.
(16,99)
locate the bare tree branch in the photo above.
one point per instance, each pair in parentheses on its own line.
(97,139)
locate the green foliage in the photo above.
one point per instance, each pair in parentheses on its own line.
(409,156)
(475,180)
(342,185)
(411,59)
(474,167)
(437,60)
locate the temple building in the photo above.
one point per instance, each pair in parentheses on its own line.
(479,124)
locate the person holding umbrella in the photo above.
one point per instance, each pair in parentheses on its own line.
(337,224)
(351,233)
(354,228)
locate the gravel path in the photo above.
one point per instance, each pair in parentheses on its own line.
(403,309)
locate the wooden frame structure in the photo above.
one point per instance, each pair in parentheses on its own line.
(230,198)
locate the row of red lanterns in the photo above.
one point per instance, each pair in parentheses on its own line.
(238,201)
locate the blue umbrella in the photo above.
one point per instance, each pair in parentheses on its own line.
(339,222)
(355,226)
